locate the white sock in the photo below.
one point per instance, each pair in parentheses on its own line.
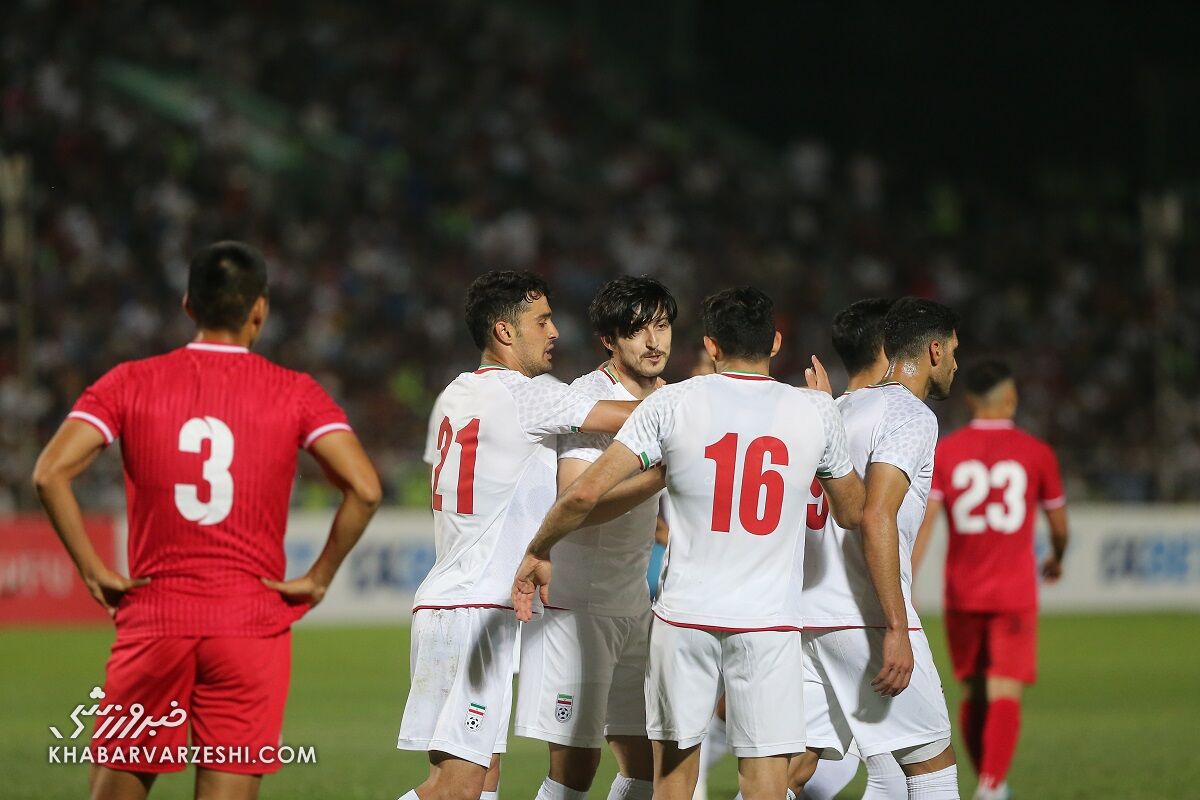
(490,795)
(830,778)
(885,779)
(940,785)
(553,790)
(411,794)
(630,789)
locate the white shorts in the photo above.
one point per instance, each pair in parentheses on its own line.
(839,667)
(461,691)
(583,678)
(764,703)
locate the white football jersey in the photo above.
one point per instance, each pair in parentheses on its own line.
(740,451)
(602,569)
(492,447)
(886,424)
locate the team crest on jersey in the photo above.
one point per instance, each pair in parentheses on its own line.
(475,714)
(563,707)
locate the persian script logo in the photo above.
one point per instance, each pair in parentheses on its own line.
(120,722)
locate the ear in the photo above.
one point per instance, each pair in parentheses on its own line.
(607,344)
(712,348)
(775,345)
(187,307)
(504,332)
(258,312)
(936,352)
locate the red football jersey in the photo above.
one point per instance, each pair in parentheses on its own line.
(992,476)
(209,435)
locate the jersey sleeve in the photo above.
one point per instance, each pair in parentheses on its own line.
(102,405)
(835,461)
(647,427)
(907,441)
(1050,488)
(546,407)
(318,413)
(583,446)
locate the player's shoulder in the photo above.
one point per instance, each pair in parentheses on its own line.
(599,384)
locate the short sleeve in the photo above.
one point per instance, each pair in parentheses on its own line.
(835,460)
(937,490)
(318,413)
(648,426)
(547,407)
(1050,488)
(102,405)
(583,446)
(908,442)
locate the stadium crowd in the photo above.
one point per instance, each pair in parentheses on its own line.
(384,156)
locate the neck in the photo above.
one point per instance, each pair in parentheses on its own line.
(242,338)
(869,376)
(992,413)
(910,375)
(758,366)
(637,385)
(502,358)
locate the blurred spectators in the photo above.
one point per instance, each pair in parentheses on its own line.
(382,155)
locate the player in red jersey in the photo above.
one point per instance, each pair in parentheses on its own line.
(209,435)
(991,476)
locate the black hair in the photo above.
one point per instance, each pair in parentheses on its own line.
(858,333)
(983,376)
(741,321)
(499,295)
(225,279)
(912,323)
(625,305)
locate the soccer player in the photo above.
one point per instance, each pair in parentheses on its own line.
(583,664)
(493,480)
(740,451)
(875,677)
(209,435)
(990,477)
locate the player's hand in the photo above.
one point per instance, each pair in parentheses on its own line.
(108,587)
(305,589)
(897,668)
(533,575)
(815,377)
(1051,569)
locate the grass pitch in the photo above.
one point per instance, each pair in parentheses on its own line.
(1116,714)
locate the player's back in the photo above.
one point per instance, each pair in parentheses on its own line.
(740,452)
(992,476)
(886,424)
(492,446)
(209,435)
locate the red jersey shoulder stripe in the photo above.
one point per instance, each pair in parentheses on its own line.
(95,422)
(324,429)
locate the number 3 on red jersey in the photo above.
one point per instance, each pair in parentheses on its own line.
(468,439)
(755,479)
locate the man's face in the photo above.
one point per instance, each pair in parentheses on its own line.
(645,353)
(942,376)
(533,343)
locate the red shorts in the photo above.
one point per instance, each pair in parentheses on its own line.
(228,691)
(995,644)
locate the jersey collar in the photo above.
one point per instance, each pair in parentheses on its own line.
(485,367)
(745,376)
(215,347)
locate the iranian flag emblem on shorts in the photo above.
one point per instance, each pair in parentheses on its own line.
(562,707)
(475,716)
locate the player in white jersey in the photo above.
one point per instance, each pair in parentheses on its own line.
(493,480)
(740,451)
(872,676)
(583,664)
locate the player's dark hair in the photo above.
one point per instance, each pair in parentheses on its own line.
(858,333)
(983,376)
(499,295)
(741,321)
(625,305)
(912,323)
(225,279)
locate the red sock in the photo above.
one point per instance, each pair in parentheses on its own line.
(971,719)
(999,740)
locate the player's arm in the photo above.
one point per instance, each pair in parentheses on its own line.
(625,496)
(886,487)
(71,451)
(347,467)
(846,496)
(1052,566)
(925,533)
(607,416)
(616,464)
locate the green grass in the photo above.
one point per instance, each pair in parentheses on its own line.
(1116,714)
